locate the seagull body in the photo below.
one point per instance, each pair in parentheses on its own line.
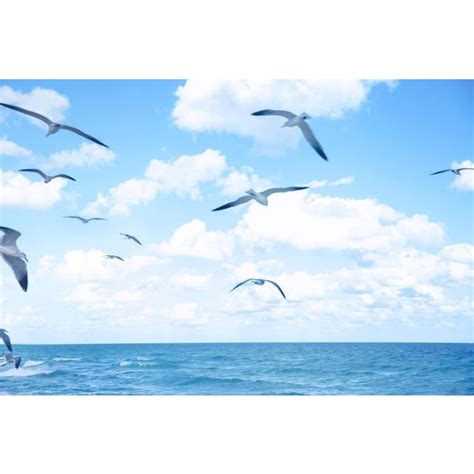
(45,177)
(84,220)
(131,237)
(456,171)
(14,257)
(293,120)
(261,198)
(54,127)
(6,339)
(9,359)
(111,257)
(259,282)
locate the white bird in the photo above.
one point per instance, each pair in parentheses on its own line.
(13,256)
(6,339)
(261,198)
(9,359)
(54,127)
(84,220)
(111,257)
(297,121)
(260,282)
(45,177)
(131,237)
(454,171)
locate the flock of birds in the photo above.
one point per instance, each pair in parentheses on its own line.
(17,260)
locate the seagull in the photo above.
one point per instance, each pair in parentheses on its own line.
(299,121)
(9,359)
(259,281)
(454,171)
(131,237)
(45,177)
(261,198)
(13,256)
(6,339)
(52,126)
(111,257)
(84,220)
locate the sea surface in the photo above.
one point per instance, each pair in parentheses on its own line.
(242,369)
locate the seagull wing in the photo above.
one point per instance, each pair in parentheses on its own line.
(10,236)
(270,191)
(237,202)
(461,169)
(278,286)
(19,269)
(439,172)
(241,283)
(281,113)
(6,339)
(35,170)
(17,362)
(77,217)
(63,176)
(311,139)
(97,219)
(30,113)
(82,134)
(134,239)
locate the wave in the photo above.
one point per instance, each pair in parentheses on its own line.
(143,358)
(125,363)
(66,359)
(32,363)
(29,372)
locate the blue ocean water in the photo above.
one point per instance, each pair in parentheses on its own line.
(242,369)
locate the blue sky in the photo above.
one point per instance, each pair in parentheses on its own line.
(375,250)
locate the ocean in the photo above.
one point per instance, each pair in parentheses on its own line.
(242,369)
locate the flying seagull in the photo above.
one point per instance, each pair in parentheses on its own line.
(131,237)
(111,257)
(45,177)
(261,198)
(259,281)
(299,121)
(9,359)
(13,256)
(84,220)
(454,171)
(6,339)
(52,126)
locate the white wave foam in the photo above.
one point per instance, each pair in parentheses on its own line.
(66,359)
(32,363)
(124,363)
(21,372)
(143,358)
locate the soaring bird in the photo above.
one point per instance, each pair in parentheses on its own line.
(260,282)
(111,257)
(13,256)
(454,171)
(6,339)
(45,177)
(261,198)
(84,220)
(52,126)
(293,120)
(9,359)
(131,237)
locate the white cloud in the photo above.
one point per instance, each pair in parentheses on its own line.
(226,105)
(341,181)
(193,240)
(463,253)
(47,102)
(238,182)
(18,191)
(88,154)
(9,148)
(183,312)
(464,182)
(182,176)
(310,221)
(189,279)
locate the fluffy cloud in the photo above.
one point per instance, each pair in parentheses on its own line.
(193,240)
(238,182)
(463,253)
(189,279)
(44,101)
(9,148)
(18,191)
(226,105)
(310,221)
(182,176)
(88,154)
(464,182)
(337,182)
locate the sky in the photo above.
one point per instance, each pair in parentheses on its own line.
(375,250)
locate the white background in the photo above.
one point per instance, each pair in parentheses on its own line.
(230,39)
